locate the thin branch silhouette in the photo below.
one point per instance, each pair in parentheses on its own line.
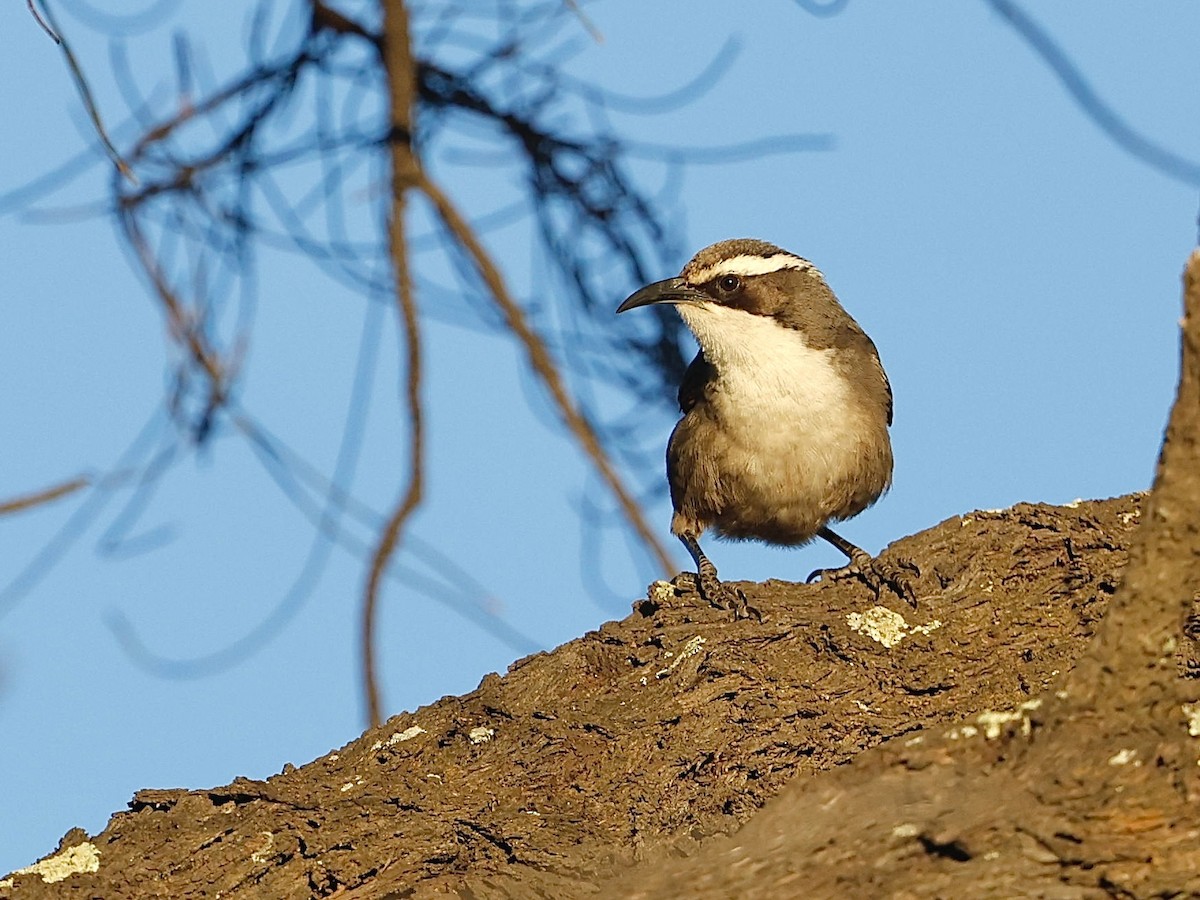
(51,27)
(1092,104)
(401,76)
(218,160)
(45,495)
(542,363)
(823,8)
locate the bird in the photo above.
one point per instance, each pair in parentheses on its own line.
(785,412)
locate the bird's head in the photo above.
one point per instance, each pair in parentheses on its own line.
(748,275)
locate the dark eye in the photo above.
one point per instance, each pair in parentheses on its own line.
(729,283)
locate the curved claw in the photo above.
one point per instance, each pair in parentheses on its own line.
(723,596)
(718,594)
(876,574)
(850,570)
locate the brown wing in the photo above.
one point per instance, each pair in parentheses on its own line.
(887,385)
(697,377)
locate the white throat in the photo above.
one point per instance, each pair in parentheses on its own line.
(764,365)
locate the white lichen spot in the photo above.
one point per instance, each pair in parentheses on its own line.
(879,624)
(334,757)
(905,830)
(865,707)
(969,731)
(1129,517)
(1122,757)
(433,777)
(992,854)
(885,626)
(1191,712)
(660,592)
(914,740)
(690,648)
(260,856)
(399,737)
(993,721)
(351,785)
(61,866)
(1074,504)
(481,734)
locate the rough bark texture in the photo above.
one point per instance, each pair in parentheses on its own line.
(645,737)
(1091,792)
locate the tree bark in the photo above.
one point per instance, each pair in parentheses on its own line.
(1090,791)
(641,739)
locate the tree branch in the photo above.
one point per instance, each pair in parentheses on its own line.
(1103,115)
(402,79)
(47,495)
(543,364)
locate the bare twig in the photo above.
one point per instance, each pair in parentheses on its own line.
(37,17)
(47,495)
(402,87)
(182,328)
(543,364)
(588,25)
(46,20)
(198,216)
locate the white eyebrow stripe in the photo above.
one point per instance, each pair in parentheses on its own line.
(746,266)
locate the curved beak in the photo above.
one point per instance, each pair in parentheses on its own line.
(672,290)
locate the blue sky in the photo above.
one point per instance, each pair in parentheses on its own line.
(1018,271)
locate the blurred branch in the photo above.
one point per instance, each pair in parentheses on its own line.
(287,153)
(1103,115)
(825,9)
(47,495)
(124,471)
(458,590)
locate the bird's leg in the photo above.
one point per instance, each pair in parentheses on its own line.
(712,589)
(874,572)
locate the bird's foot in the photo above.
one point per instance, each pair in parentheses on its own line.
(877,574)
(718,594)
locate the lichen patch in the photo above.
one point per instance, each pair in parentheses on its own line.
(887,627)
(61,866)
(399,737)
(993,721)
